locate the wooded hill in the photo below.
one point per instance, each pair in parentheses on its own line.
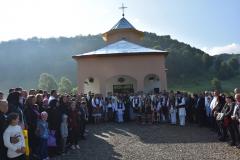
(22,61)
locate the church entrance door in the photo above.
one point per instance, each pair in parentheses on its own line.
(121,84)
(124,88)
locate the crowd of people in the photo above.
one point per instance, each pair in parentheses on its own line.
(56,123)
(53,123)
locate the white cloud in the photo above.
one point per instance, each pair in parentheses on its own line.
(230,48)
(136,20)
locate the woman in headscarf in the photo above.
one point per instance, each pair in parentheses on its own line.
(15,106)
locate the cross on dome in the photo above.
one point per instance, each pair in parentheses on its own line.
(123,8)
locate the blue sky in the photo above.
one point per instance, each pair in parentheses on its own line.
(211,25)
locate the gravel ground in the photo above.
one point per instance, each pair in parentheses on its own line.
(133,141)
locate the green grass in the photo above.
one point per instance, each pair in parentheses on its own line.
(195,85)
(231,84)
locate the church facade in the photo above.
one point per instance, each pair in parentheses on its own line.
(123,65)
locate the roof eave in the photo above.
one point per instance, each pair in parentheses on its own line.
(165,53)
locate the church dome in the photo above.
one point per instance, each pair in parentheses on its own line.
(123,24)
(123,30)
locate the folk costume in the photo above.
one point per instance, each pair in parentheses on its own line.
(180,103)
(172,110)
(155,110)
(96,104)
(120,111)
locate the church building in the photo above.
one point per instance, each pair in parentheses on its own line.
(123,65)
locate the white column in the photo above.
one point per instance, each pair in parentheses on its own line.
(140,84)
(102,83)
(80,85)
(163,79)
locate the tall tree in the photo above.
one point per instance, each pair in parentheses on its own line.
(47,82)
(225,71)
(217,64)
(65,85)
(207,60)
(233,63)
(216,83)
(74,90)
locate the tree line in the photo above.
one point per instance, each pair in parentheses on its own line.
(22,61)
(48,82)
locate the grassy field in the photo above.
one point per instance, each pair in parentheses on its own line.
(195,85)
(231,84)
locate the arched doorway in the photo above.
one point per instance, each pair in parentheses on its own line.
(151,83)
(121,84)
(91,84)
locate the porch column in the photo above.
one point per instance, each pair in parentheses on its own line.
(140,84)
(80,79)
(80,85)
(102,83)
(163,79)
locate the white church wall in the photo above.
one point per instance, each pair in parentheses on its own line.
(149,85)
(94,86)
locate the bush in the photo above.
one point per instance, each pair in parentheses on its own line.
(216,83)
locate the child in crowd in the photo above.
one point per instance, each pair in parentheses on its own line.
(15,151)
(42,132)
(64,132)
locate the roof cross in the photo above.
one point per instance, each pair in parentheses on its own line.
(122,7)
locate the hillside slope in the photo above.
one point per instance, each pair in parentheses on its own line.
(22,61)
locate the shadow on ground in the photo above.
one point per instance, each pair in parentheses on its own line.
(94,148)
(112,141)
(163,133)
